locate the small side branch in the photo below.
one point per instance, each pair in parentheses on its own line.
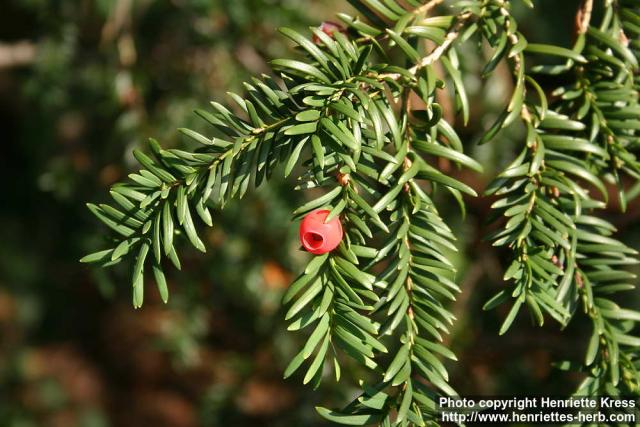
(426,8)
(442,49)
(438,51)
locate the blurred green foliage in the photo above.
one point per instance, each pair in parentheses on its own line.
(83,82)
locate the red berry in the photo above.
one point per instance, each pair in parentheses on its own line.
(319,237)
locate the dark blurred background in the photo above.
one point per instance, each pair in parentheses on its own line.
(82,83)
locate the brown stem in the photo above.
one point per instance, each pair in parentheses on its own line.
(583,16)
(437,52)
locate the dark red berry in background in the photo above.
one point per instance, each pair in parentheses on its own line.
(328,28)
(319,237)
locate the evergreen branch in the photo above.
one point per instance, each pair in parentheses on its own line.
(574,275)
(611,359)
(535,187)
(381,296)
(178,182)
(612,352)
